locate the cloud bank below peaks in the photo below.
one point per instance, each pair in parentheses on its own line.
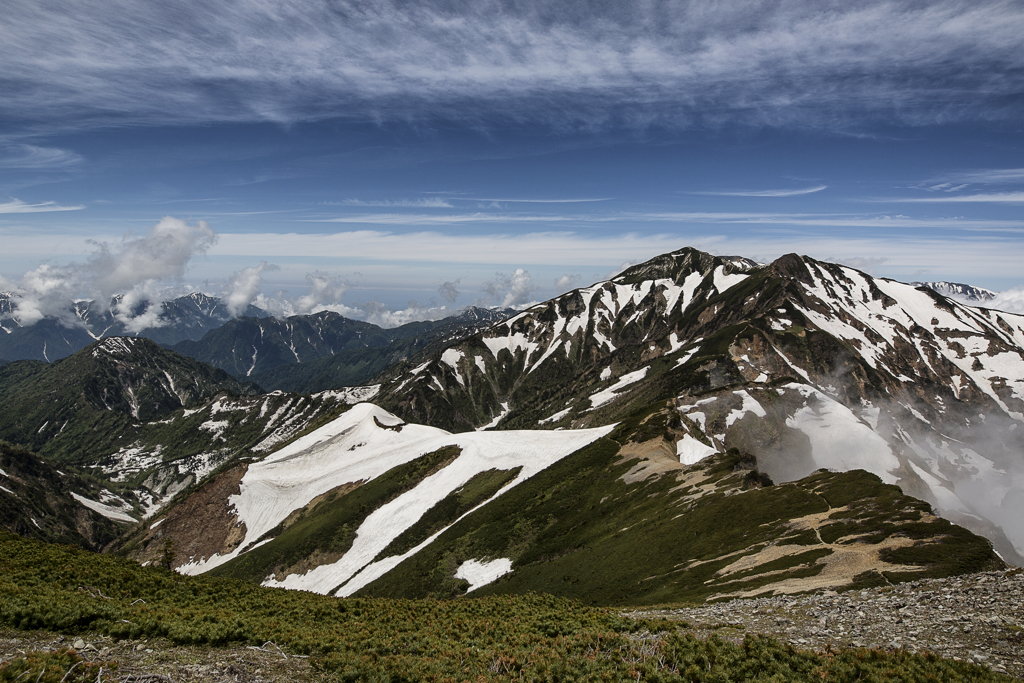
(132,269)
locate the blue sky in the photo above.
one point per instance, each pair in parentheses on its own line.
(367,154)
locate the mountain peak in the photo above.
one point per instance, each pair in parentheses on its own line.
(121,346)
(959,291)
(678,264)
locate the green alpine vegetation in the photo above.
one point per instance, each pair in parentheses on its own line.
(497,638)
(37,501)
(74,409)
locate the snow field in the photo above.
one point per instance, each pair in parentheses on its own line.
(107,511)
(691,451)
(601,397)
(480,573)
(353,448)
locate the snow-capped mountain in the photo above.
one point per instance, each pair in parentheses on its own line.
(695,427)
(801,363)
(955,290)
(719,376)
(84,322)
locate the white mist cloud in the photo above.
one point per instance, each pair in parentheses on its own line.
(323,289)
(512,290)
(324,293)
(132,268)
(448,291)
(382,315)
(244,286)
(1010,300)
(566,282)
(163,253)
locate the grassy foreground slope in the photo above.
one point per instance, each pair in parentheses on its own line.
(503,638)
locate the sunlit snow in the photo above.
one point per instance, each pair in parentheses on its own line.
(355,448)
(480,573)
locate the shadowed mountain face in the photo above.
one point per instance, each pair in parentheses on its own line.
(325,350)
(40,501)
(84,322)
(71,407)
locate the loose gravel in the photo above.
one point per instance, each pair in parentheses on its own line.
(974,617)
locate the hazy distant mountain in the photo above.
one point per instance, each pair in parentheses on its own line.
(959,291)
(309,353)
(187,317)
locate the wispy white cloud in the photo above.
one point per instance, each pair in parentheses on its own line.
(964,257)
(992,176)
(995,197)
(565,63)
(426,203)
(419,260)
(542,201)
(765,193)
(447,219)
(780,219)
(18,206)
(35,158)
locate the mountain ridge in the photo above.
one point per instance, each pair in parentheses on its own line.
(712,383)
(86,321)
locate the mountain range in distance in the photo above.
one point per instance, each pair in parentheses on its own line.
(696,427)
(84,322)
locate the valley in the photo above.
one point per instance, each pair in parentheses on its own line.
(697,429)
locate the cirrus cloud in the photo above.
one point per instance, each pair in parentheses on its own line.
(565,64)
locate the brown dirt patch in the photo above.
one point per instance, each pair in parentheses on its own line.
(201,526)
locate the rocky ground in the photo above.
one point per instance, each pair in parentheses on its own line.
(975,617)
(159,661)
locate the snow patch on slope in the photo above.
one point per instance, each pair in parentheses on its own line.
(691,451)
(482,572)
(605,395)
(107,511)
